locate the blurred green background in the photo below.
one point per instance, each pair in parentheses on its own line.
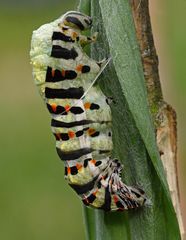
(168,22)
(35,202)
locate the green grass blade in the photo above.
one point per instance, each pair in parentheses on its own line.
(127,63)
(90,223)
(133,131)
(84,6)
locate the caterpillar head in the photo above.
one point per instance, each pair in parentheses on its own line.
(76,20)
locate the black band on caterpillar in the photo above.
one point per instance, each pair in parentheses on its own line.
(61,36)
(72,93)
(55,75)
(60,52)
(60,124)
(82,189)
(73,155)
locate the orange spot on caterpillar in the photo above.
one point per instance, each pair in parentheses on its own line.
(103,177)
(68,170)
(63,73)
(128,196)
(94,193)
(74,35)
(67,108)
(54,106)
(71,134)
(91,131)
(87,105)
(93,161)
(53,72)
(79,166)
(79,67)
(111,182)
(115,198)
(58,136)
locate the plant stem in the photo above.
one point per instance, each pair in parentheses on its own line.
(163,114)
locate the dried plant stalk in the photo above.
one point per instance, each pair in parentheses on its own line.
(163,114)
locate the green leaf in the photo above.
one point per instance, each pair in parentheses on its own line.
(84,6)
(133,131)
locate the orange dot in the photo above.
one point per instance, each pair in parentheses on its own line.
(115,198)
(68,170)
(79,166)
(74,34)
(58,135)
(93,161)
(128,196)
(94,193)
(79,67)
(54,107)
(71,134)
(110,182)
(91,131)
(67,108)
(87,105)
(53,72)
(63,73)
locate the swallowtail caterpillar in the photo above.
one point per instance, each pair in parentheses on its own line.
(81,116)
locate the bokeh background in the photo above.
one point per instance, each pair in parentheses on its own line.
(35,202)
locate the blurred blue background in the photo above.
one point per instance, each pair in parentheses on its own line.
(35,202)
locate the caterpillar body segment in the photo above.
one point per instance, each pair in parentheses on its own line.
(80,113)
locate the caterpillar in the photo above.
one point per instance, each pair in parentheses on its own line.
(81,118)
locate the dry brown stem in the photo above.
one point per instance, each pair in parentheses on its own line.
(164,115)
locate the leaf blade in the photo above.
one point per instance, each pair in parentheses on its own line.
(133,87)
(129,138)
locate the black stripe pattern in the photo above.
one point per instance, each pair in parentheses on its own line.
(61,110)
(55,123)
(81,189)
(60,52)
(66,136)
(73,155)
(71,93)
(61,36)
(57,75)
(107,203)
(75,21)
